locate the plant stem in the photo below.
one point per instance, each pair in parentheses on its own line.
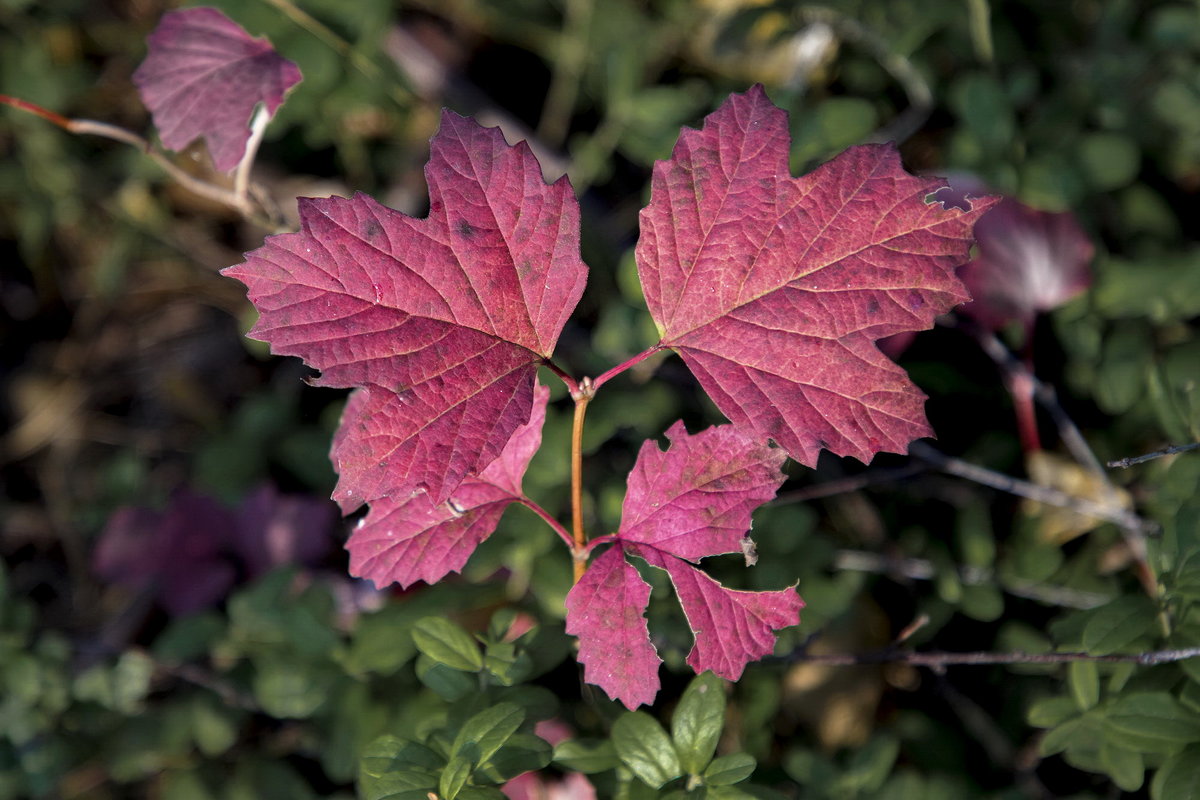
(241,180)
(1129,461)
(211,191)
(572,385)
(617,370)
(579,544)
(549,520)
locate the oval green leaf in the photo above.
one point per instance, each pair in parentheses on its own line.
(643,746)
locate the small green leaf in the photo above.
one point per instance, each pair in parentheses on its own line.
(486,732)
(870,766)
(1051,711)
(643,746)
(1083,677)
(1179,777)
(391,753)
(1125,767)
(697,723)
(1059,737)
(480,793)
(1153,717)
(447,643)
(450,684)
(1115,625)
(521,753)
(730,769)
(397,785)
(586,755)
(454,777)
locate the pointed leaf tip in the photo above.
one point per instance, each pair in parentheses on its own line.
(775,289)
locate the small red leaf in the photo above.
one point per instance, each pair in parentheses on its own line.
(774,289)
(732,628)
(407,539)
(606,610)
(695,499)
(441,321)
(692,501)
(203,76)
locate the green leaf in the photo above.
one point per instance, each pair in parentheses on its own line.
(1118,623)
(391,753)
(486,732)
(450,684)
(1083,678)
(1060,736)
(410,784)
(870,766)
(1051,711)
(480,793)
(697,723)
(214,728)
(643,746)
(521,753)
(730,769)
(454,776)
(447,643)
(586,755)
(1179,777)
(1150,718)
(1125,767)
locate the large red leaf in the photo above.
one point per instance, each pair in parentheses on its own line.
(774,289)
(693,500)
(441,321)
(203,76)
(406,539)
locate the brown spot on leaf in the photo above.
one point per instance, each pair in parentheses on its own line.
(465,228)
(372,229)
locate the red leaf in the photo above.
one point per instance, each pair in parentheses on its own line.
(408,539)
(693,500)
(732,628)
(441,321)
(204,75)
(606,610)
(774,289)
(1029,261)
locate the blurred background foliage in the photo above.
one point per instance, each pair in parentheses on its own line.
(128,392)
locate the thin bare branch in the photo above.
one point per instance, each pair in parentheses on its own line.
(1124,463)
(1127,520)
(939,660)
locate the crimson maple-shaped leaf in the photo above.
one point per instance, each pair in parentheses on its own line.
(407,539)
(441,321)
(774,289)
(203,76)
(691,501)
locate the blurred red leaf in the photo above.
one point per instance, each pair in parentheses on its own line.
(1029,261)
(203,76)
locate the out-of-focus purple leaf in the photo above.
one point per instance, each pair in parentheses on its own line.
(1029,261)
(203,76)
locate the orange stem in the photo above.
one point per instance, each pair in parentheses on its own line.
(582,398)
